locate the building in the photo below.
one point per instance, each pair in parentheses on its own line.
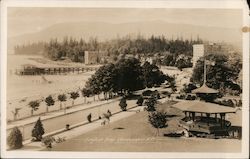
(94,57)
(199,50)
(207,119)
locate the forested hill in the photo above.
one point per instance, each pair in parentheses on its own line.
(107,31)
(74,49)
(30,49)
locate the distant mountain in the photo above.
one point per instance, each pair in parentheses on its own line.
(105,31)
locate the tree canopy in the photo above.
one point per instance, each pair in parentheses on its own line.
(221,75)
(73,48)
(124,76)
(38,130)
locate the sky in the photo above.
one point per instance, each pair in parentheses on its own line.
(28,20)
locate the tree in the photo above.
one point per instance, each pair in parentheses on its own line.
(15,139)
(16,112)
(61,98)
(34,106)
(220,75)
(85,93)
(140,101)
(38,130)
(168,58)
(123,104)
(73,96)
(152,75)
(172,84)
(183,61)
(125,76)
(129,76)
(49,102)
(158,120)
(188,88)
(150,103)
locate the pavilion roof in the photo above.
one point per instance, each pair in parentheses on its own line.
(205,89)
(203,107)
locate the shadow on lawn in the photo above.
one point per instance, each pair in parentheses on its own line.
(118,128)
(171,116)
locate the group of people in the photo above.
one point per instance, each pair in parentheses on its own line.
(105,117)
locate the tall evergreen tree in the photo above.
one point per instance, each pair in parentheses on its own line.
(38,130)
(15,139)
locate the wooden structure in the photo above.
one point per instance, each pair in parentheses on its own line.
(38,70)
(205,118)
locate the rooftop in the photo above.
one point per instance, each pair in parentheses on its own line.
(204,89)
(203,107)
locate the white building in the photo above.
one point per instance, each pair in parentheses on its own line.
(198,51)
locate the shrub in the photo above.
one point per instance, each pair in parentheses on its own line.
(123,104)
(147,93)
(47,141)
(156,94)
(193,97)
(207,97)
(38,130)
(151,104)
(140,101)
(166,93)
(182,96)
(240,103)
(188,88)
(228,102)
(190,97)
(15,139)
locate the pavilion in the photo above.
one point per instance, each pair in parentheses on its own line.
(204,117)
(201,117)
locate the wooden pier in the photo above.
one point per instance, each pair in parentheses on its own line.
(34,70)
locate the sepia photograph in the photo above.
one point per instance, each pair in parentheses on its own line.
(92,78)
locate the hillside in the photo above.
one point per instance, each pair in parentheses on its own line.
(108,31)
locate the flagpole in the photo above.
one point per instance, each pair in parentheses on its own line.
(204,82)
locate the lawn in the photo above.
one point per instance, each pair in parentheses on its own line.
(136,134)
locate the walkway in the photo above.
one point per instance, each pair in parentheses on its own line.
(78,130)
(57,120)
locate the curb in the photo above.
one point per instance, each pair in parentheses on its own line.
(73,127)
(51,117)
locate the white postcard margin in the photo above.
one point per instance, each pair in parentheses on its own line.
(223,4)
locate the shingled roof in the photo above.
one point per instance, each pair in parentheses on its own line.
(205,89)
(203,107)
